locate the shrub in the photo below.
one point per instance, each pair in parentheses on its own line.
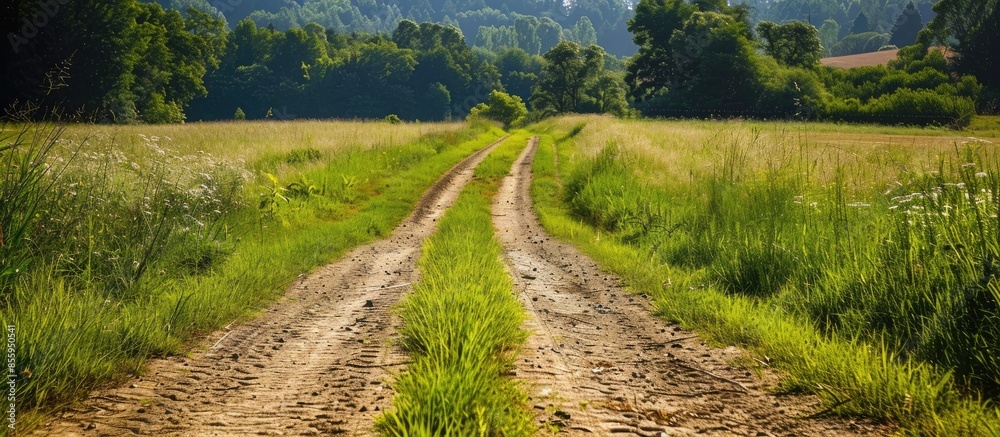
(500,106)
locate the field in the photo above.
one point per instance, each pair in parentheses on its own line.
(392,278)
(860,60)
(127,243)
(860,263)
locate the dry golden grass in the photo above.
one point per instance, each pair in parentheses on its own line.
(251,140)
(672,150)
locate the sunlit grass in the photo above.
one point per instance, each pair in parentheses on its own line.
(462,325)
(252,140)
(865,270)
(136,249)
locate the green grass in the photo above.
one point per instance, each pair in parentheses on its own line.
(462,325)
(881,312)
(216,241)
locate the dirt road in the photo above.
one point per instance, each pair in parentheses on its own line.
(598,362)
(316,362)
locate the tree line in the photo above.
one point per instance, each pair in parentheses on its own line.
(701,58)
(584,21)
(130,61)
(127,61)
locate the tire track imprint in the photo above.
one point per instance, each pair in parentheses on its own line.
(598,362)
(315,362)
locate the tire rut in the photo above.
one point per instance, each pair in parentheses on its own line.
(598,362)
(316,362)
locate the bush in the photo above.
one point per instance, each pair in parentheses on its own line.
(791,91)
(500,106)
(906,106)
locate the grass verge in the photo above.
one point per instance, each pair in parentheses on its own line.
(83,314)
(597,205)
(462,324)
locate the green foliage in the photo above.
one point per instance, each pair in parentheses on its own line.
(790,91)
(518,71)
(502,107)
(582,33)
(714,63)
(574,80)
(861,25)
(908,25)
(974,27)
(890,95)
(652,70)
(120,61)
(691,59)
(239,115)
(794,44)
(829,35)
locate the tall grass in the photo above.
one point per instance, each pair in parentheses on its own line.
(870,276)
(462,325)
(135,251)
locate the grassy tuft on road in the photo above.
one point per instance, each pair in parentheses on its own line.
(866,272)
(462,325)
(133,252)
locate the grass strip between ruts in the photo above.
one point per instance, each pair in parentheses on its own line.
(462,324)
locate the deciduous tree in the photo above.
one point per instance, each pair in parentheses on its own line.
(794,44)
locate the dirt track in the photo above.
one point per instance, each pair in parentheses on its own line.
(598,362)
(315,363)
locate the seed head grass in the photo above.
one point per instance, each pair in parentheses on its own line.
(867,270)
(144,238)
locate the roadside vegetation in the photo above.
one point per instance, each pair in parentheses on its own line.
(462,325)
(122,246)
(866,271)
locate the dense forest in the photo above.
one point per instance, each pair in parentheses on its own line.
(129,61)
(537,25)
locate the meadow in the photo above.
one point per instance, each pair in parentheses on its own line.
(130,242)
(861,261)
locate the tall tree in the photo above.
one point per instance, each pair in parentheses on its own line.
(653,25)
(908,25)
(860,24)
(565,74)
(974,25)
(717,65)
(794,44)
